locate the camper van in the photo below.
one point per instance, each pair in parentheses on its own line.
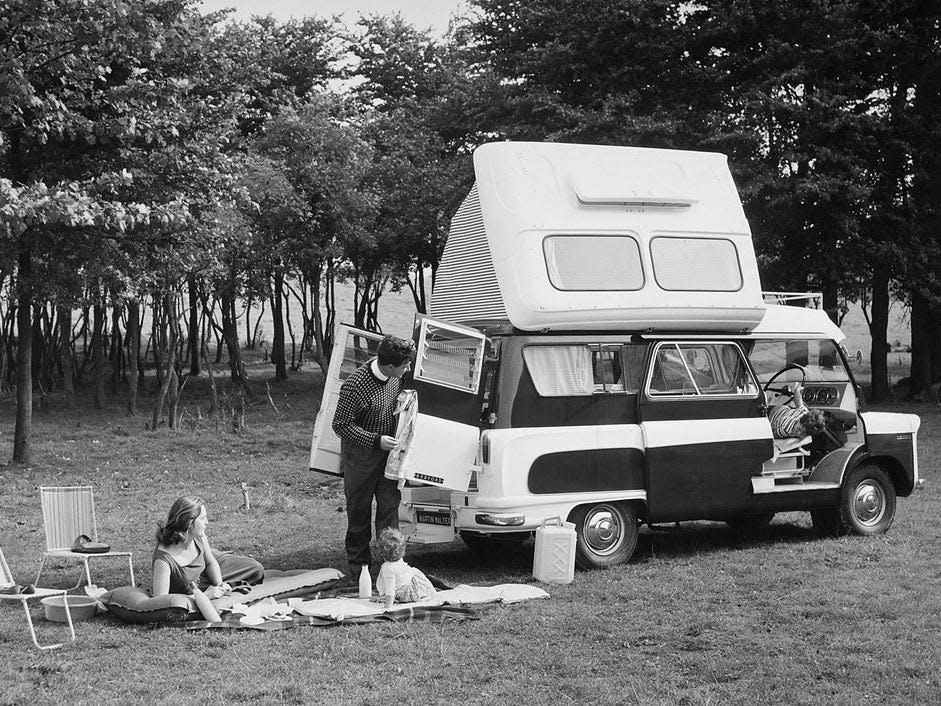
(599,349)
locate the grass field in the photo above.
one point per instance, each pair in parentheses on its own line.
(700,616)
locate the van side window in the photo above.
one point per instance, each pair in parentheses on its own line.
(700,369)
(580,370)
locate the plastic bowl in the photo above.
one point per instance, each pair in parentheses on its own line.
(81,608)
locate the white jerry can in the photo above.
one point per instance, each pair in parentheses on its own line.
(554,558)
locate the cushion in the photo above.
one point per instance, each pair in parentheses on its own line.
(130,604)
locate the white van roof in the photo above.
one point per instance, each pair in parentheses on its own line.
(796,322)
(580,237)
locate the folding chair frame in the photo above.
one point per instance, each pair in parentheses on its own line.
(24,599)
(54,548)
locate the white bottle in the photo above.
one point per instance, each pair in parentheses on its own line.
(365,582)
(205,605)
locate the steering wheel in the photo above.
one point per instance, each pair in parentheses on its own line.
(788,392)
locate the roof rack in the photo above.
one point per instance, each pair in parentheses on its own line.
(812,300)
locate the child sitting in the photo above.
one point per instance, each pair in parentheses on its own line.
(397,581)
(794,419)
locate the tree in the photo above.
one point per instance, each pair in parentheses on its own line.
(411,88)
(322,158)
(76,89)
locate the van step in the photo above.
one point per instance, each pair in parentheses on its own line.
(786,473)
(766,484)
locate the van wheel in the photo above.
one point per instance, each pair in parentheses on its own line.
(606,534)
(867,501)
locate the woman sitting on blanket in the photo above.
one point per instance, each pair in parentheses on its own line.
(183,556)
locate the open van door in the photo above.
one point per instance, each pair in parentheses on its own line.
(446,376)
(351,348)
(442,447)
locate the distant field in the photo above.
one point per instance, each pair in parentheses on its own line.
(397,311)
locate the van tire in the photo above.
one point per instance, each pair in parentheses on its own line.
(606,534)
(867,501)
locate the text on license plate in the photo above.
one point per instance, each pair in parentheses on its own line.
(432,517)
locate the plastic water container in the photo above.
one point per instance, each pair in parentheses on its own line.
(554,559)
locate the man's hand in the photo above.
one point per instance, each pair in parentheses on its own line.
(387,443)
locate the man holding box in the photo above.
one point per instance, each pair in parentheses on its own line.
(365,422)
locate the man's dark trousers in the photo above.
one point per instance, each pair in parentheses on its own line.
(364,479)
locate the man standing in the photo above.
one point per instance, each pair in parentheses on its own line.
(365,422)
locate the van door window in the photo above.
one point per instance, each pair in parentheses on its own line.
(449,356)
(700,369)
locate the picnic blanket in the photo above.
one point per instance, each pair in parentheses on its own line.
(460,603)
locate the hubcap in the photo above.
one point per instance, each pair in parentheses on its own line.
(603,530)
(869,503)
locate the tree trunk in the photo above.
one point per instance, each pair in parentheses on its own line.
(321,352)
(231,337)
(38,352)
(4,346)
(65,354)
(920,377)
(169,371)
(831,303)
(287,318)
(98,355)
(173,395)
(158,337)
(277,321)
(878,331)
(249,337)
(194,341)
(117,347)
(133,354)
(22,452)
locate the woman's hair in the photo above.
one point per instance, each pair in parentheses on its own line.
(391,544)
(813,422)
(182,513)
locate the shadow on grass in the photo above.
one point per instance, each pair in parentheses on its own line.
(455,562)
(690,538)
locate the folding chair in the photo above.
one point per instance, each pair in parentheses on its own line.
(7,588)
(68,513)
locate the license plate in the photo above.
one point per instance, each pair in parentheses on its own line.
(433,517)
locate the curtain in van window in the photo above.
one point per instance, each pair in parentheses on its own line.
(559,371)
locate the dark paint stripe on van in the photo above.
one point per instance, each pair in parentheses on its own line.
(587,471)
(678,409)
(531,410)
(703,481)
(898,446)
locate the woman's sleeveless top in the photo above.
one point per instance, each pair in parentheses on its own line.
(182,576)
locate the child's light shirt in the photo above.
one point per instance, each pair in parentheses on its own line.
(394,576)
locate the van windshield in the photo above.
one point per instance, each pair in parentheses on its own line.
(820,359)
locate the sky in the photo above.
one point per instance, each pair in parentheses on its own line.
(423,14)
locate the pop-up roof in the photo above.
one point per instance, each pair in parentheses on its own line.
(588,237)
